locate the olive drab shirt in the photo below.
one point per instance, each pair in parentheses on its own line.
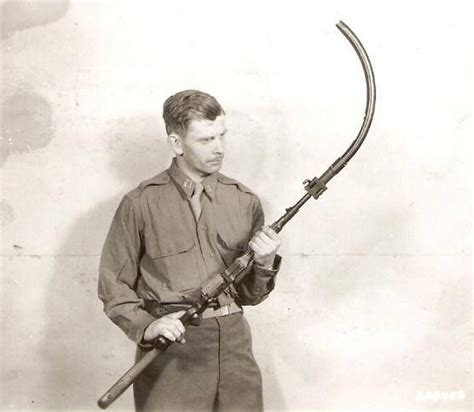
(156,250)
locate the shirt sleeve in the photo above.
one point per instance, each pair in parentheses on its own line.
(118,272)
(256,283)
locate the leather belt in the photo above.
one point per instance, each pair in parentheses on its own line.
(213,311)
(221,311)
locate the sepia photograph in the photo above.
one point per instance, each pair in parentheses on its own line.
(236,205)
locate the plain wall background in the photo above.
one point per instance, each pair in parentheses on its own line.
(373,305)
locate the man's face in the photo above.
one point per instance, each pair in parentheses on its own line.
(203,146)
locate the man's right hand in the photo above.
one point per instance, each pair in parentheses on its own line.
(168,326)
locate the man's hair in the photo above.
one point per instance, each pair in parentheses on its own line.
(182,107)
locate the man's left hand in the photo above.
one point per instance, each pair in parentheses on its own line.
(265,244)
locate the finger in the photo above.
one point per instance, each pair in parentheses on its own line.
(179,326)
(176,331)
(271,239)
(265,247)
(256,248)
(181,340)
(173,319)
(265,240)
(176,315)
(168,335)
(170,327)
(270,233)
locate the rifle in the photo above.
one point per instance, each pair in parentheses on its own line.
(222,281)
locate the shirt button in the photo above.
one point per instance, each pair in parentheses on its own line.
(203,227)
(211,254)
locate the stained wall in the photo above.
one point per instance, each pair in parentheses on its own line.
(373,305)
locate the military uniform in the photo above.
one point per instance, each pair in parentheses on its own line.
(156,256)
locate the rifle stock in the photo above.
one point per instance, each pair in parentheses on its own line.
(128,378)
(209,292)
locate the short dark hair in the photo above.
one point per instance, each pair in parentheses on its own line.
(182,107)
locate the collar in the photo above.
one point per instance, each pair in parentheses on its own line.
(187,185)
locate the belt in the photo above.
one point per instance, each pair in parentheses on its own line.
(160,309)
(221,311)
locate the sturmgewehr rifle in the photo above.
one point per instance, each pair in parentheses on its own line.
(220,282)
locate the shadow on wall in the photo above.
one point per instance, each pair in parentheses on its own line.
(83,352)
(18,15)
(271,384)
(27,123)
(80,343)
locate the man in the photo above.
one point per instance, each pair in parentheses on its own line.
(168,236)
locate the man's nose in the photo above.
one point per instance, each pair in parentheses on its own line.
(219,146)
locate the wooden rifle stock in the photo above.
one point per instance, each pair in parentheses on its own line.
(209,292)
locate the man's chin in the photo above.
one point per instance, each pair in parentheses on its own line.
(213,167)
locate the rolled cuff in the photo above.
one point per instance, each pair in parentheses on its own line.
(272,271)
(257,285)
(134,326)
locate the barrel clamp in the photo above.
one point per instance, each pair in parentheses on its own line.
(314,187)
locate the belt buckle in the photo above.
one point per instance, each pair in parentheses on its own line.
(225,310)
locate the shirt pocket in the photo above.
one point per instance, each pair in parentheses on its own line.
(158,247)
(232,241)
(172,261)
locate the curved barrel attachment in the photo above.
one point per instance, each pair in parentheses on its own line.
(316,186)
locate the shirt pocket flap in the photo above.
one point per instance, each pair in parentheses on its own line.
(236,242)
(162,247)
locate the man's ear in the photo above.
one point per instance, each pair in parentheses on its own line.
(176,144)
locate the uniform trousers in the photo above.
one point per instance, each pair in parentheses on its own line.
(215,370)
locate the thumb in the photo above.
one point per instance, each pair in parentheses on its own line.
(176,315)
